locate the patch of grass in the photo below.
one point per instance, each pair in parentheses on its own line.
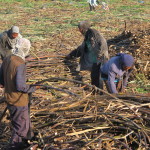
(28,4)
(36,38)
(12,1)
(6,1)
(141,90)
(143,84)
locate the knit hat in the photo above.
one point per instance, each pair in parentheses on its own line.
(127,60)
(22,48)
(15,29)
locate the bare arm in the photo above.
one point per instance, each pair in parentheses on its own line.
(77,52)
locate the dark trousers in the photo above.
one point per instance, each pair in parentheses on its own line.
(92,8)
(95,75)
(104,78)
(2,57)
(20,125)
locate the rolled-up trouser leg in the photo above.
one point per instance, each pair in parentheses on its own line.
(20,124)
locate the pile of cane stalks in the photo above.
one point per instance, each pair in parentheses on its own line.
(92,121)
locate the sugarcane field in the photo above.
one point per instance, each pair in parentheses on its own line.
(49,100)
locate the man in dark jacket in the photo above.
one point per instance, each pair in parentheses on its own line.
(8,41)
(118,68)
(92,52)
(13,78)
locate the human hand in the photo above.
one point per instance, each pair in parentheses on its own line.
(1,86)
(37,87)
(68,57)
(123,90)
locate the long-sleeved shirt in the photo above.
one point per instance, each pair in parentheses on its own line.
(7,44)
(13,78)
(93,2)
(94,49)
(113,69)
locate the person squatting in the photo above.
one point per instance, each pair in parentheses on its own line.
(117,69)
(8,41)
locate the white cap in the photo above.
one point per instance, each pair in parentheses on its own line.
(15,29)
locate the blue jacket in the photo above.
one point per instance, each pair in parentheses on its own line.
(113,69)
